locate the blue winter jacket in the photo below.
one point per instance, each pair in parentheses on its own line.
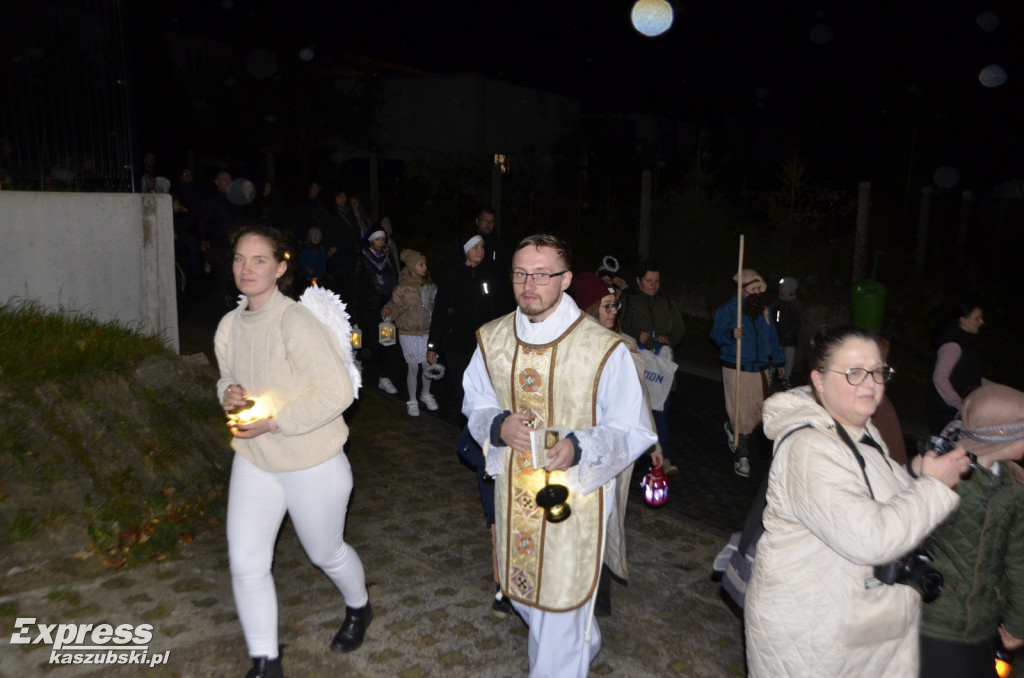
(760,342)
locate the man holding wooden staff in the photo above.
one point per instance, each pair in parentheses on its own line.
(754,341)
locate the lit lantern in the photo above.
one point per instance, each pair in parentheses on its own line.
(655,486)
(252,410)
(388,333)
(1004,661)
(356,337)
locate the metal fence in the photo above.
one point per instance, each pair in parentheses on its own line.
(65,113)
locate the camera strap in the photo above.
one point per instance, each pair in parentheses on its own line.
(856,453)
(917,554)
(872,581)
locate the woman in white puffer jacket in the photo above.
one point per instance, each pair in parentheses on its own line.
(814,606)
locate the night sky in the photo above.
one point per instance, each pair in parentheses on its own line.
(715,52)
(840,74)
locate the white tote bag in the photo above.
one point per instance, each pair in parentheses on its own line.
(659,371)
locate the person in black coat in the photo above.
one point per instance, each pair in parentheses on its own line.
(469,296)
(341,240)
(374,280)
(218,219)
(310,212)
(788,318)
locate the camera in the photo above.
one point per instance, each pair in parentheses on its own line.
(914,570)
(944,444)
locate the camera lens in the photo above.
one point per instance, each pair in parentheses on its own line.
(923,578)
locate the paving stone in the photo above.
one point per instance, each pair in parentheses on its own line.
(419,531)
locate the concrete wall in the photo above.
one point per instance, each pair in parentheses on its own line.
(110,255)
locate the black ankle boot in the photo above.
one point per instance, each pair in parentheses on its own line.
(350,635)
(265,668)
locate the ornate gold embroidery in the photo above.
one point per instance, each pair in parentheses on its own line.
(557,570)
(523,462)
(530,380)
(524,544)
(531,371)
(524,583)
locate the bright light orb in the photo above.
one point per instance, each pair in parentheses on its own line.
(992,76)
(651,17)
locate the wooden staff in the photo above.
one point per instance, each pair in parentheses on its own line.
(739,348)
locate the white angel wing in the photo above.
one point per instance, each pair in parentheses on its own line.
(330,310)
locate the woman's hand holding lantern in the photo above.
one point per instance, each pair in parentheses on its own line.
(252,429)
(247,416)
(234,397)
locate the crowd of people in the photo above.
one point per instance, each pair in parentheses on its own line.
(331,236)
(530,347)
(872,562)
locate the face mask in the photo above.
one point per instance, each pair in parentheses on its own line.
(755,304)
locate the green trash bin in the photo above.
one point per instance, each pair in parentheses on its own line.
(867,305)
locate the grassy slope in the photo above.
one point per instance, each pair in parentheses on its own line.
(107,439)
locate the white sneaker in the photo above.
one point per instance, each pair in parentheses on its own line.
(670,468)
(412,408)
(385,385)
(430,401)
(730,437)
(742,467)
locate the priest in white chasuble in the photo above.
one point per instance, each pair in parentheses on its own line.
(548,365)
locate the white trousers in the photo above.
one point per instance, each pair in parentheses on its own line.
(558,646)
(316,499)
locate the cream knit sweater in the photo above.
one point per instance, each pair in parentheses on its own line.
(286,357)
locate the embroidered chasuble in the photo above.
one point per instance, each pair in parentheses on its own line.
(551,566)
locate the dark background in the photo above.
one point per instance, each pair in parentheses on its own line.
(890,72)
(787,107)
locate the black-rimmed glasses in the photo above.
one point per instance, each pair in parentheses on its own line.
(519,277)
(856,375)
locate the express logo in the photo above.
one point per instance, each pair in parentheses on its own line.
(81,636)
(80,643)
